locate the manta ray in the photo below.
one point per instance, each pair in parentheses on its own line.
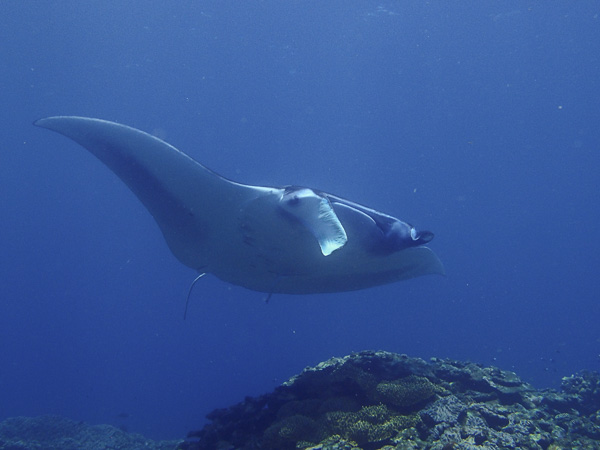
(277,240)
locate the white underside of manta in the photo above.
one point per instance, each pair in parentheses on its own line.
(289,240)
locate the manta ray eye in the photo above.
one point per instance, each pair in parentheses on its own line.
(293,200)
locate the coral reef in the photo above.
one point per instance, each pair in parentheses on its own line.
(381,400)
(367,400)
(53,432)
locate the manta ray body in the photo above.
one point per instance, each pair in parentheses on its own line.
(291,240)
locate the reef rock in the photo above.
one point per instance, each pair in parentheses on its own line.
(381,400)
(58,433)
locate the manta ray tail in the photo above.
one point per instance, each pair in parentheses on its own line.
(187,300)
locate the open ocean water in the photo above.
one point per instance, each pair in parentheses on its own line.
(477,120)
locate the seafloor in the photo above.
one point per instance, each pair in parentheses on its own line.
(369,400)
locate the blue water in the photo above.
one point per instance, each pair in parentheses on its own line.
(476,120)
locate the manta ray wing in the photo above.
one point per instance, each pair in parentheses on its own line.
(191,204)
